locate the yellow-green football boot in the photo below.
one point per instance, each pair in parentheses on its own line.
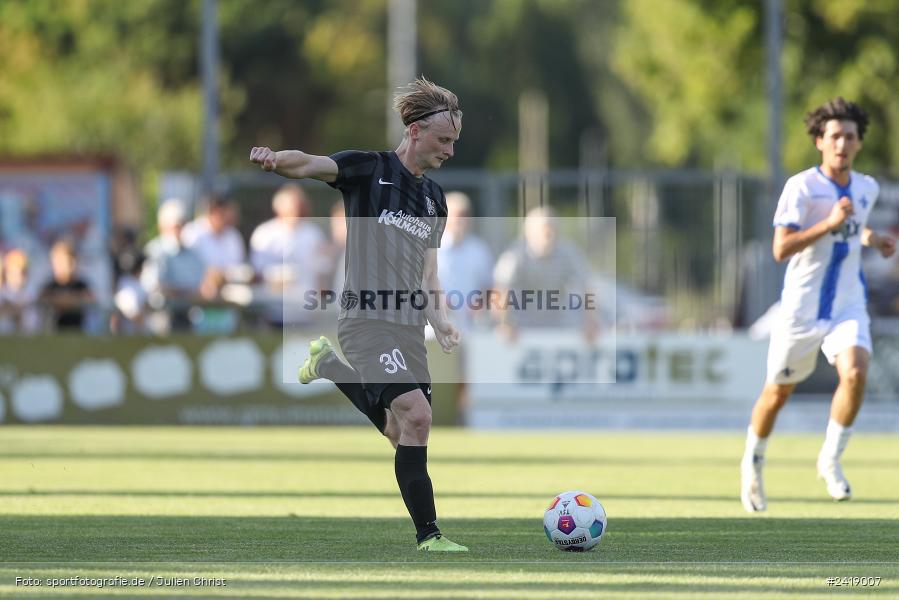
(439,543)
(318,350)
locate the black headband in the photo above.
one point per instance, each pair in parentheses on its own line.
(426,115)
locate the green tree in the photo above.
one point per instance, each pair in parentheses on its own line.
(843,48)
(312,74)
(102,77)
(491,52)
(702,82)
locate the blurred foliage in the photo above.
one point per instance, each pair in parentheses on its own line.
(678,83)
(703,81)
(313,73)
(100,76)
(847,48)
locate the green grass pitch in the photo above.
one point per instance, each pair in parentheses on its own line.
(314,513)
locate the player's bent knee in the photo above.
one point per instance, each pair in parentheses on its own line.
(418,419)
(412,411)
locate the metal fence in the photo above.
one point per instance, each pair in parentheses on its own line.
(697,240)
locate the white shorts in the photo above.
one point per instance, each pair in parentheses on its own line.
(794,346)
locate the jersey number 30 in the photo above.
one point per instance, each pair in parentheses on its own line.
(393,362)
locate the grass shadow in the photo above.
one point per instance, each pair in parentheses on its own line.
(338,538)
(387,454)
(362,495)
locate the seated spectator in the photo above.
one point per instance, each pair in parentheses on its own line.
(542,262)
(288,253)
(130,298)
(336,250)
(17,311)
(173,276)
(465,262)
(94,264)
(124,251)
(24,236)
(215,238)
(67,295)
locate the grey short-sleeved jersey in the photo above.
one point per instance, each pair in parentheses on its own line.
(393,218)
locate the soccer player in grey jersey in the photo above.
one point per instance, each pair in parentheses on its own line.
(396,217)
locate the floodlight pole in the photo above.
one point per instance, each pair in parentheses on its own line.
(209,59)
(762,291)
(401,58)
(774,77)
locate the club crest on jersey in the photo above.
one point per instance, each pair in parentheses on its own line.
(863,202)
(849,229)
(429,204)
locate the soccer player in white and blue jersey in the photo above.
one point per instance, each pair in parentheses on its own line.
(820,225)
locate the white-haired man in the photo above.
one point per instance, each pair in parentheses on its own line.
(173,275)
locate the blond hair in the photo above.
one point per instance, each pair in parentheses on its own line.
(423,100)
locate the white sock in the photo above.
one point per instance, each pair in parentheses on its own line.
(755,446)
(835,440)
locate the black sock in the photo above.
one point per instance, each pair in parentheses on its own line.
(415,486)
(348,381)
(331,367)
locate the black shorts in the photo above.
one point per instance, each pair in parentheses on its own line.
(391,359)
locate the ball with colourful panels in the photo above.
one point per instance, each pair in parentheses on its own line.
(574,521)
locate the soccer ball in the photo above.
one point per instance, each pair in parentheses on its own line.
(574,521)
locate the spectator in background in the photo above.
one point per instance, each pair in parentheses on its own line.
(337,248)
(173,276)
(465,261)
(130,301)
(94,264)
(289,255)
(67,295)
(25,239)
(130,297)
(883,275)
(543,262)
(215,238)
(17,311)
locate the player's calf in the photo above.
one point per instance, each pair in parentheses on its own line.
(391,429)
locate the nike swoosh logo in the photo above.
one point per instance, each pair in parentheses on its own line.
(429,389)
(382,182)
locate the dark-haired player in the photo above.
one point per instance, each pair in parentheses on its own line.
(820,226)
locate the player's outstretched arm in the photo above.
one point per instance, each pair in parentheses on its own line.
(295,164)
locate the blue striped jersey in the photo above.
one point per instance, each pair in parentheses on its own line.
(826,277)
